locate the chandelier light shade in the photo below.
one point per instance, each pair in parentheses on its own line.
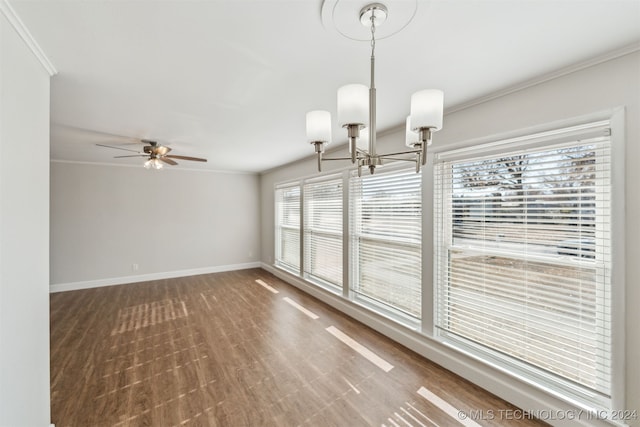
(357,114)
(319,127)
(353,105)
(426,109)
(411,137)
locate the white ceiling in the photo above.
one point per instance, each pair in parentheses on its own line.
(232,80)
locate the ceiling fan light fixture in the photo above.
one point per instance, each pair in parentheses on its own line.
(153,163)
(157,155)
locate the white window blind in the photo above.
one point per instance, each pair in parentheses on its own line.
(523,258)
(323,230)
(386,228)
(287,204)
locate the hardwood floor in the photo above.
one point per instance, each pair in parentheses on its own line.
(241,349)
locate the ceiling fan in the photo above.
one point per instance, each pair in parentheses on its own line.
(157,154)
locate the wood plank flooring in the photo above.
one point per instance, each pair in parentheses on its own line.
(225,350)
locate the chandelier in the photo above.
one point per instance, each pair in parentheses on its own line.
(357,107)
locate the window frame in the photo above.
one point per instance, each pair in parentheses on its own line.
(278,227)
(307,231)
(381,307)
(426,328)
(565,131)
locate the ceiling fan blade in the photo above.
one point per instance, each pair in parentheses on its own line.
(92,135)
(194,159)
(133,155)
(118,148)
(168,161)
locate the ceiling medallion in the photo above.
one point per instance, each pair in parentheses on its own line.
(337,15)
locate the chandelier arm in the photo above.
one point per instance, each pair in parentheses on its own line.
(400,159)
(399,153)
(336,158)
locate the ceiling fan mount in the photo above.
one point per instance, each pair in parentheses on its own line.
(156,154)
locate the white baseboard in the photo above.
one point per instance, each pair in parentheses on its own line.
(521,394)
(72,286)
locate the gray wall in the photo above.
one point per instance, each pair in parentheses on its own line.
(554,102)
(171,222)
(24,233)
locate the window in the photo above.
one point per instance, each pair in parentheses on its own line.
(386,261)
(523,257)
(323,230)
(287,203)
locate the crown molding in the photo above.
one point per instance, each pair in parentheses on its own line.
(168,168)
(608,56)
(25,35)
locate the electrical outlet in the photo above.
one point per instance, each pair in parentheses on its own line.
(134,267)
(250,254)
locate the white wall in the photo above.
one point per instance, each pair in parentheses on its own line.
(24,232)
(171,222)
(602,87)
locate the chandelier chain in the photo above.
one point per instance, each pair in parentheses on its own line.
(373,34)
